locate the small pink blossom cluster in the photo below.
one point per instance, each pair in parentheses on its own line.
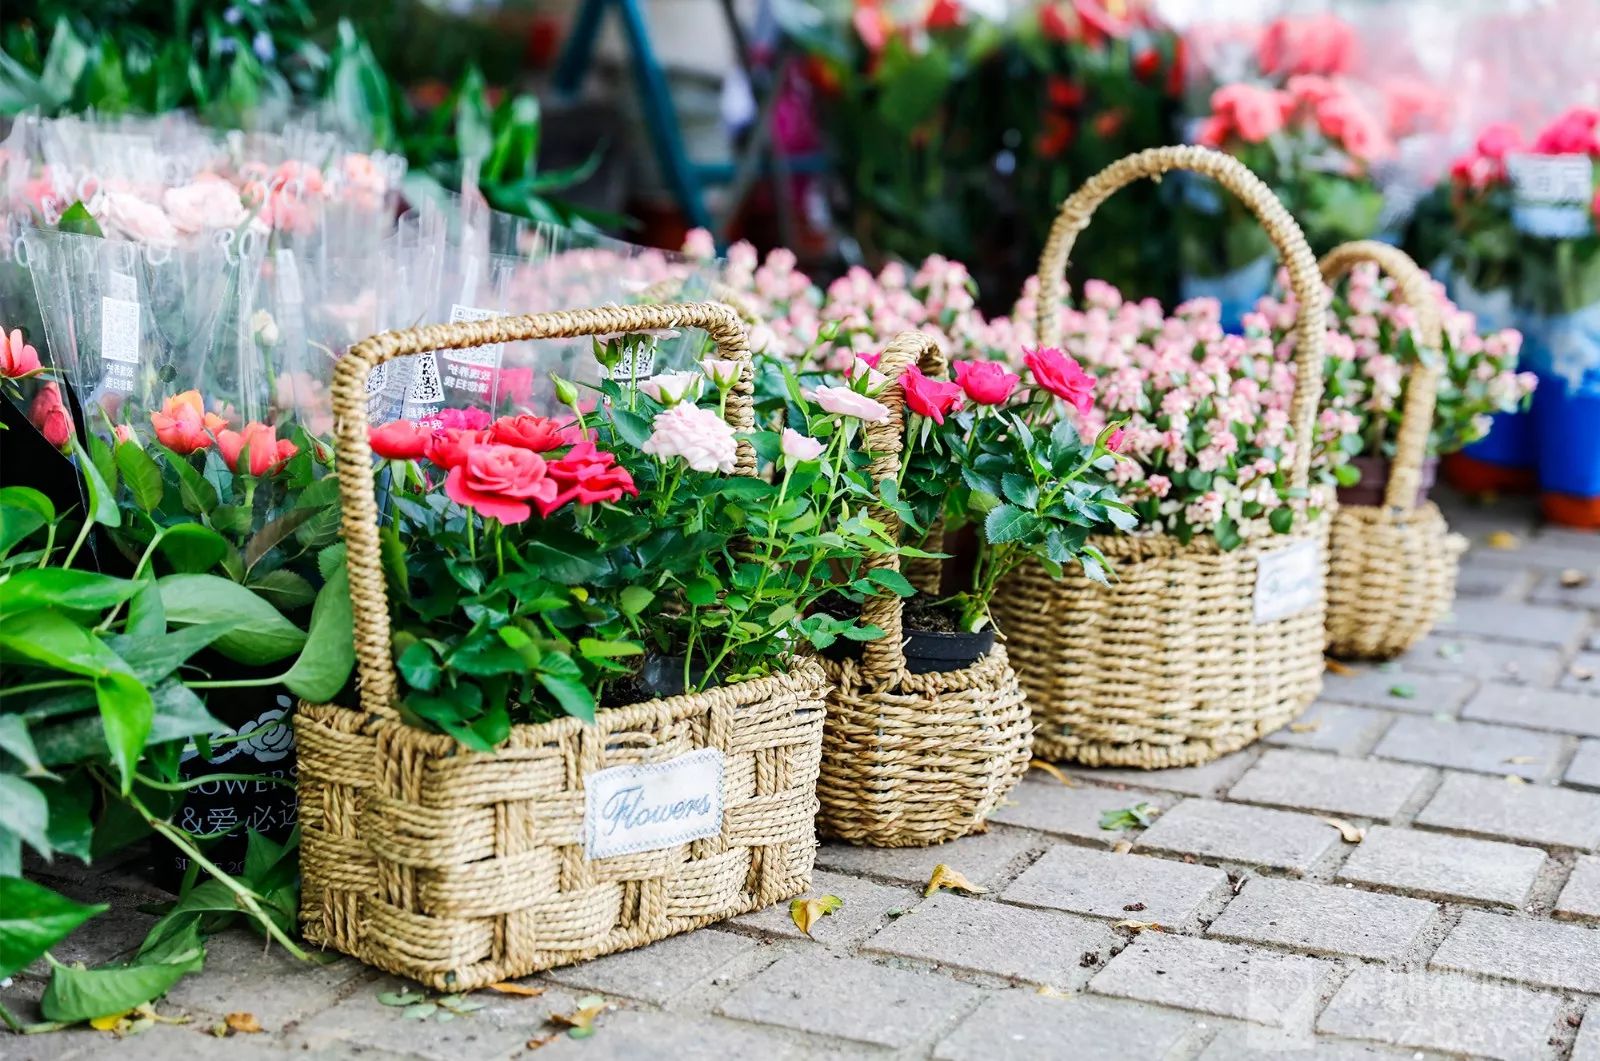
(1310,105)
(1576,131)
(1207,413)
(1370,347)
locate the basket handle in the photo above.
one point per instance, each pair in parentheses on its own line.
(368,593)
(1415,289)
(1286,237)
(883,660)
(716,291)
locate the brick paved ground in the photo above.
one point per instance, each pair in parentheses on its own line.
(1467,922)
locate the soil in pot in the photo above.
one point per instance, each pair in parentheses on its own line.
(933,638)
(1375,480)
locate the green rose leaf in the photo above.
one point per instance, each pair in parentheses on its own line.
(261,635)
(142,475)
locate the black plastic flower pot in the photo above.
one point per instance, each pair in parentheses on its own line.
(663,675)
(931,651)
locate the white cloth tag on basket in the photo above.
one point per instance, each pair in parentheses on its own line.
(628,809)
(1288,581)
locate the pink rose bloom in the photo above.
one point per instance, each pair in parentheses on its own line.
(701,437)
(986,382)
(499,482)
(204,204)
(1343,119)
(670,388)
(929,397)
(17,358)
(1159,485)
(1254,111)
(400,440)
(266,452)
(49,414)
(722,372)
(1573,133)
(699,244)
(470,419)
(800,448)
(132,218)
(1499,140)
(842,401)
(1061,376)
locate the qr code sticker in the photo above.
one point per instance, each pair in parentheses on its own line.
(119,330)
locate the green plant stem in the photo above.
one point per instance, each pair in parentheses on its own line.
(49,544)
(196,782)
(83,536)
(34,687)
(10,1021)
(182,841)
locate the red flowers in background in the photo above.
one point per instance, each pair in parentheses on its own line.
(1316,44)
(930,397)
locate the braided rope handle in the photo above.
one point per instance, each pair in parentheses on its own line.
(716,290)
(368,592)
(1415,289)
(1260,200)
(884,660)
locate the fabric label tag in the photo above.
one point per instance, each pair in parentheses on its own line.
(628,809)
(1552,195)
(1288,581)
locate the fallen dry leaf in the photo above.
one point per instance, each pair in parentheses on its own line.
(1503,540)
(1572,578)
(1304,727)
(580,1022)
(1122,847)
(243,1023)
(522,990)
(541,1040)
(109,1022)
(945,877)
(1139,926)
(1520,760)
(1333,666)
(1515,780)
(1049,992)
(807,912)
(1352,834)
(1053,770)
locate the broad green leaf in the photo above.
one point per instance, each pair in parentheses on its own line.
(267,538)
(15,742)
(145,614)
(194,489)
(192,548)
(1020,490)
(893,581)
(102,502)
(52,640)
(1007,523)
(71,827)
(33,919)
(283,589)
(701,591)
(608,649)
(260,635)
(141,474)
(23,510)
(152,657)
(419,666)
(77,218)
(24,812)
(127,712)
(324,664)
(78,994)
(62,587)
(635,599)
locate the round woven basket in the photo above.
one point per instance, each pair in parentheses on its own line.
(461,869)
(1180,659)
(914,759)
(1392,567)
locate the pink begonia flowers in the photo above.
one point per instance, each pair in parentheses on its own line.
(842,401)
(699,436)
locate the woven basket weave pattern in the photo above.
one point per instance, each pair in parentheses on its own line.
(914,759)
(461,869)
(1393,571)
(1166,666)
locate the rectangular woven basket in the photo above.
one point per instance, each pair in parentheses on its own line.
(460,869)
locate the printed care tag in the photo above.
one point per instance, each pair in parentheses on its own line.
(1552,194)
(638,360)
(1288,581)
(628,809)
(471,371)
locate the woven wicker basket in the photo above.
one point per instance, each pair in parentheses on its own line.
(1167,666)
(1392,567)
(461,869)
(914,759)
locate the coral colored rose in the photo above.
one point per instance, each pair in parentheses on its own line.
(842,401)
(500,482)
(471,419)
(400,440)
(1345,120)
(1254,112)
(267,453)
(448,446)
(1061,376)
(928,396)
(701,437)
(49,414)
(986,382)
(588,476)
(182,424)
(800,448)
(17,358)
(124,433)
(538,433)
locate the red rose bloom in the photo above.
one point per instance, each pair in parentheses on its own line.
(448,447)
(499,482)
(464,419)
(266,451)
(400,440)
(1061,376)
(588,476)
(930,397)
(49,414)
(986,382)
(943,14)
(536,433)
